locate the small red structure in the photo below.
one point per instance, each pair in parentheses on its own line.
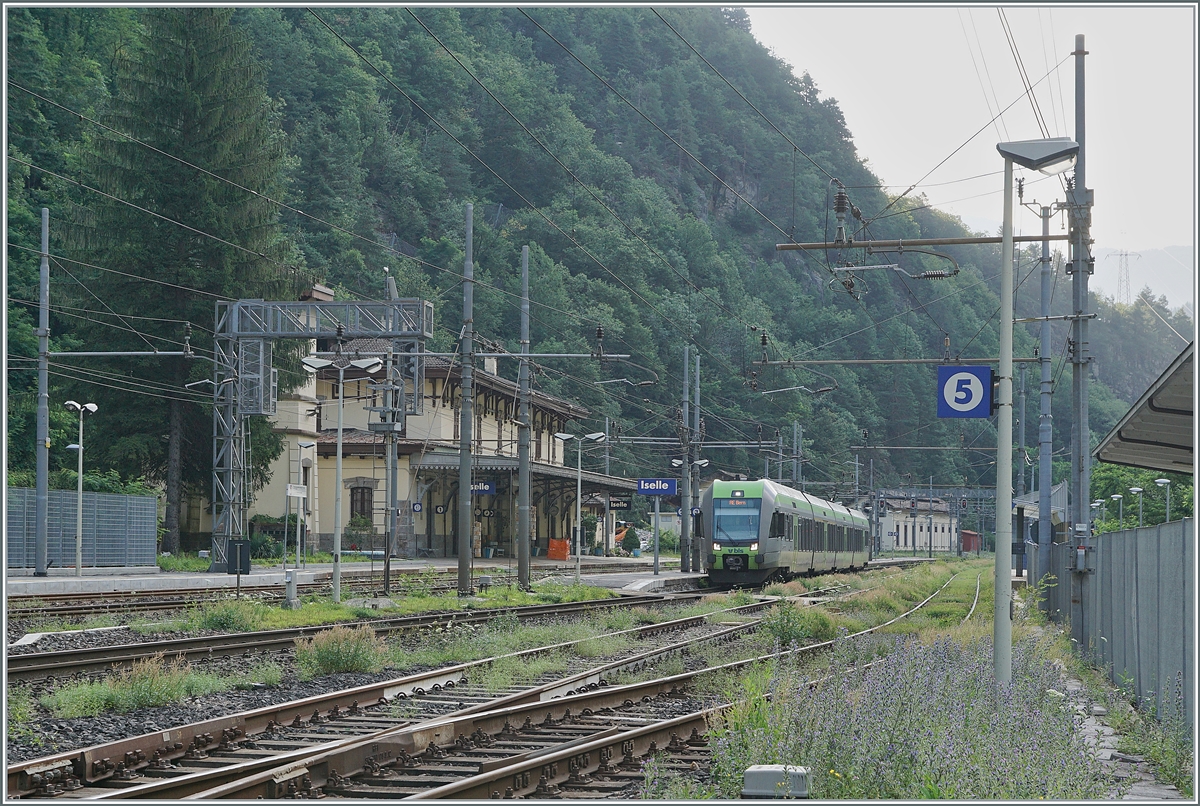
(970,540)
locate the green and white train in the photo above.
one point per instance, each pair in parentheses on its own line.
(754,531)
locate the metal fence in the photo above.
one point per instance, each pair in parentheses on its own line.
(118,530)
(1138,610)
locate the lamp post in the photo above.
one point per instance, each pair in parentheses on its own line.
(1166,483)
(598,436)
(1120,499)
(368,365)
(82,408)
(1050,156)
(1138,491)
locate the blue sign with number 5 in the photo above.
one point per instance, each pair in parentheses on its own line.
(964,391)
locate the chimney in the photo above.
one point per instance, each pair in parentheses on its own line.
(318,293)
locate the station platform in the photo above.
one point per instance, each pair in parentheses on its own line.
(609,572)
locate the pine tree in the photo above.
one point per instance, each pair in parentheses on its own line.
(192,90)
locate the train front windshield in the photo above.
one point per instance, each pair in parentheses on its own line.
(735,520)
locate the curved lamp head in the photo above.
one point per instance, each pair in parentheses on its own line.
(312,363)
(367,365)
(306,444)
(89,408)
(1135,490)
(564,437)
(1117,496)
(597,436)
(1050,156)
(1162,482)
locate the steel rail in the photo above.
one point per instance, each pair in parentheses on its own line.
(39,665)
(96,763)
(312,771)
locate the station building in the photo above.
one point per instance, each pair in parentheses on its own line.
(427,461)
(908,523)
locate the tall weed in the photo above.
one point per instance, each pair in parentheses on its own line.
(926,721)
(340,649)
(149,682)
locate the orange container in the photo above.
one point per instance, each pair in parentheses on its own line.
(559,549)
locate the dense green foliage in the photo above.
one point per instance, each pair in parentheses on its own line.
(650,193)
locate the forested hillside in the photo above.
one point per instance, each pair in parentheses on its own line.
(651,161)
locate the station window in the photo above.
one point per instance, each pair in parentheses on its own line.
(362,501)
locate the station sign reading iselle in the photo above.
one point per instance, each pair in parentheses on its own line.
(657,486)
(618,503)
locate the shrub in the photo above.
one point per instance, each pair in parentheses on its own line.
(340,649)
(229,616)
(789,624)
(668,541)
(631,541)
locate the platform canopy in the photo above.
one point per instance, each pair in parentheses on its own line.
(1157,432)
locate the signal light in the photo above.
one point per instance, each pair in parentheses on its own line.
(995,401)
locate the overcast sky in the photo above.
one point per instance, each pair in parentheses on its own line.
(914,84)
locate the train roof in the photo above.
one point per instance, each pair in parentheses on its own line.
(828,509)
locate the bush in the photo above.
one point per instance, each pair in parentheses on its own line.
(630,541)
(668,541)
(340,649)
(789,624)
(227,616)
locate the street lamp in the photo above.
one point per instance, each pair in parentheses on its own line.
(1138,490)
(595,437)
(1166,483)
(369,366)
(82,408)
(1050,156)
(1120,499)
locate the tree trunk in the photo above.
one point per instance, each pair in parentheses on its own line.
(174,477)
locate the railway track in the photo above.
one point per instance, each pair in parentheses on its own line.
(67,605)
(73,662)
(573,736)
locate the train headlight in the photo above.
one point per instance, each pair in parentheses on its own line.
(716,546)
(754,547)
